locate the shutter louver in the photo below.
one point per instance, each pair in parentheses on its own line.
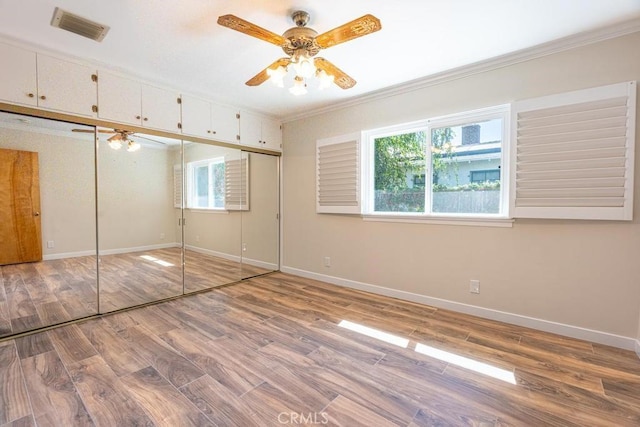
(574,153)
(338,175)
(177,186)
(236,183)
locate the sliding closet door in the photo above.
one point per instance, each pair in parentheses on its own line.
(260,219)
(140,241)
(212,215)
(47,223)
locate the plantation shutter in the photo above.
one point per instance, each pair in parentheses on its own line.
(236,183)
(574,154)
(177,186)
(338,175)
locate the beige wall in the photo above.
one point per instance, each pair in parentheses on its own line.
(578,273)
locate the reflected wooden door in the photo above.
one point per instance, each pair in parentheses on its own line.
(20,237)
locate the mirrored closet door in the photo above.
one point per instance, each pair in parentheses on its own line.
(213,204)
(47,223)
(260,216)
(140,240)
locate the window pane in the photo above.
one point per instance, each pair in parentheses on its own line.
(466,168)
(218,184)
(399,165)
(202,186)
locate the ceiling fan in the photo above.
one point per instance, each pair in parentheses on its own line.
(302,44)
(120,138)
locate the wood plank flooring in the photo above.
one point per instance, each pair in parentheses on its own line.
(282,350)
(34,295)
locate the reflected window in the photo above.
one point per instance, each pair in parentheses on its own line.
(205,184)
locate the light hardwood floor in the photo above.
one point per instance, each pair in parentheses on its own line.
(271,351)
(39,294)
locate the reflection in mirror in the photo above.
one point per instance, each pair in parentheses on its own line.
(47,223)
(212,215)
(260,228)
(140,243)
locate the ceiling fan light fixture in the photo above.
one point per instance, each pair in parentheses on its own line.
(132,146)
(276,75)
(303,64)
(115,142)
(299,86)
(326,80)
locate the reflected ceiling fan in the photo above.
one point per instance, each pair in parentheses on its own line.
(120,138)
(302,44)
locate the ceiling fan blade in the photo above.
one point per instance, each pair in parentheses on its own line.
(340,78)
(262,76)
(148,139)
(239,24)
(91,130)
(362,26)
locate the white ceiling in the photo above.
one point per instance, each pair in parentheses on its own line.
(178,43)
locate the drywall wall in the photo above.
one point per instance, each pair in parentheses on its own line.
(67,187)
(582,274)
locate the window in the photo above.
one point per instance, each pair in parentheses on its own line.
(484,176)
(445,166)
(566,156)
(206,184)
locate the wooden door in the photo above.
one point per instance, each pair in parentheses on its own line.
(20,238)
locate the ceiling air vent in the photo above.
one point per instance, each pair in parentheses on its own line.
(79,25)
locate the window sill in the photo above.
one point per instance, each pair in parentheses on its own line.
(442,220)
(207,211)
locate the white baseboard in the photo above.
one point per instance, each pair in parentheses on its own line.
(50,257)
(138,249)
(515,319)
(234,258)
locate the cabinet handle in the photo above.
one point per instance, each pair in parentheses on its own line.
(145,119)
(214,132)
(208,131)
(36,214)
(138,117)
(30,95)
(43,97)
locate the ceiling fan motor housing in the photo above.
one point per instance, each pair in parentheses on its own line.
(300,38)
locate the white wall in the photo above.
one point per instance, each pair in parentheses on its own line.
(580,274)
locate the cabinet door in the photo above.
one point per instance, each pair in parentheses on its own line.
(160,108)
(271,134)
(250,129)
(224,123)
(18,68)
(196,117)
(65,86)
(119,99)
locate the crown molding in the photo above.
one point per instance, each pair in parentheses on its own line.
(538,51)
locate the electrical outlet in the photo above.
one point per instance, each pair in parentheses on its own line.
(244,247)
(327,261)
(474,286)
(50,244)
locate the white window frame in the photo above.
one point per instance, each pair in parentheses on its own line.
(191,180)
(497,112)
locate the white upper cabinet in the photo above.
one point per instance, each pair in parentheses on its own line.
(66,86)
(224,123)
(206,120)
(259,131)
(19,83)
(196,116)
(160,108)
(42,81)
(124,100)
(119,99)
